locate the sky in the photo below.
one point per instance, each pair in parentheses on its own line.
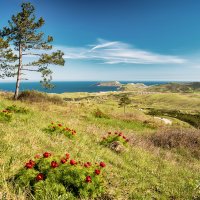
(120,39)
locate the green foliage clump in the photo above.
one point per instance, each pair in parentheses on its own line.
(5,116)
(57,128)
(99,114)
(114,137)
(17,109)
(60,177)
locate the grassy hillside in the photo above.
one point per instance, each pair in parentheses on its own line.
(149,168)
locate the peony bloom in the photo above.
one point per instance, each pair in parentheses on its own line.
(67,155)
(63,161)
(46,154)
(72,162)
(97,171)
(102,164)
(30,164)
(37,156)
(86,165)
(40,177)
(54,164)
(88,179)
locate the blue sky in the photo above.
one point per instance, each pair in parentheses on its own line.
(120,39)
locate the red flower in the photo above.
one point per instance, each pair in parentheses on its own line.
(52,123)
(104,138)
(97,171)
(124,137)
(72,162)
(87,164)
(54,164)
(37,156)
(40,177)
(116,133)
(88,179)
(102,164)
(120,134)
(30,164)
(127,140)
(109,133)
(63,161)
(59,124)
(73,132)
(67,155)
(46,154)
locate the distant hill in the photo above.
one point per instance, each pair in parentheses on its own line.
(176,87)
(109,83)
(133,87)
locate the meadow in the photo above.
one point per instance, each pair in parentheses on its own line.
(160,161)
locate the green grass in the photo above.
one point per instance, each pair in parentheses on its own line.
(142,172)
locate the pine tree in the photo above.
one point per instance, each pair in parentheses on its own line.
(124,101)
(23,33)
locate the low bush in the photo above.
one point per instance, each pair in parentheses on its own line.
(35,96)
(187,139)
(116,141)
(60,177)
(17,109)
(5,116)
(57,128)
(99,114)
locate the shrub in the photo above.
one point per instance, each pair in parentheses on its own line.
(5,116)
(180,139)
(61,177)
(35,96)
(99,114)
(57,128)
(116,141)
(16,109)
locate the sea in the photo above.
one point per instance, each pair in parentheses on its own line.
(70,86)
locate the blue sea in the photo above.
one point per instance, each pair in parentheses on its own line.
(70,86)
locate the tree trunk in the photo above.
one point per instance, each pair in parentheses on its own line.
(18,73)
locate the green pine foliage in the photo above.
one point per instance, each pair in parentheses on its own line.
(124,101)
(7,59)
(61,177)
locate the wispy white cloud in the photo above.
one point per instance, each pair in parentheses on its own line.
(115,52)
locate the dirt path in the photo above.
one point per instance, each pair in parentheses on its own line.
(166,121)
